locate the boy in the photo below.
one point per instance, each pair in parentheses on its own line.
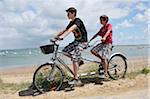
(76,26)
(106,43)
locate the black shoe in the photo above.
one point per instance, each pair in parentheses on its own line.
(81,62)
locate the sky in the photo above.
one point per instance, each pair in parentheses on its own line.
(31,23)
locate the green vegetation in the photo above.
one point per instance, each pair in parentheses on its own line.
(12,87)
(133,74)
(1,80)
(145,70)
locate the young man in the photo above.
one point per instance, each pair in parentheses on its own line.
(102,49)
(77,27)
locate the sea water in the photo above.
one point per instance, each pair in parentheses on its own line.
(33,56)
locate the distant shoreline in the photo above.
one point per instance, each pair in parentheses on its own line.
(129,60)
(64,46)
(34,57)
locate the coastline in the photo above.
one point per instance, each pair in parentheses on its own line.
(122,87)
(134,64)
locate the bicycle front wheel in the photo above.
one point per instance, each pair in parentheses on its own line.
(117,67)
(48,77)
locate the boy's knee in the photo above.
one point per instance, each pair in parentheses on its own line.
(93,52)
(104,59)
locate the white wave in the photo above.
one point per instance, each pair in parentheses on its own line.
(30,52)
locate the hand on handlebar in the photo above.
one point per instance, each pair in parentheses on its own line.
(91,45)
(103,39)
(88,44)
(53,40)
(85,45)
(56,39)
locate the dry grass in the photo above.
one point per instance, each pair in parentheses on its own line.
(12,87)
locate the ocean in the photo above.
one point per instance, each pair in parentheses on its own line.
(33,56)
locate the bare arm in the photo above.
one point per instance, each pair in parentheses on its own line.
(66,32)
(94,36)
(105,36)
(107,33)
(60,33)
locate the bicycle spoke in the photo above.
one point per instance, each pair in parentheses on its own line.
(46,78)
(117,67)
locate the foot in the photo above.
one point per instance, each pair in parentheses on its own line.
(104,76)
(101,72)
(81,62)
(76,82)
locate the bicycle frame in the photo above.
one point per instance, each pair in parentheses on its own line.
(55,69)
(56,58)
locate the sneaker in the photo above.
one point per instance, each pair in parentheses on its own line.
(106,77)
(81,62)
(101,76)
(76,82)
(101,73)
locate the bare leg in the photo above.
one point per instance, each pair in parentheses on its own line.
(104,61)
(105,65)
(97,55)
(75,68)
(67,54)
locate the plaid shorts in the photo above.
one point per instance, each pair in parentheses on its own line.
(74,49)
(102,49)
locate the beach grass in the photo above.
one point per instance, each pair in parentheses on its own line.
(145,70)
(1,80)
(6,87)
(133,74)
(12,87)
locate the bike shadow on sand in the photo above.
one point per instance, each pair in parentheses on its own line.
(31,91)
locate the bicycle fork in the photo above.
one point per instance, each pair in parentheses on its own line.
(51,74)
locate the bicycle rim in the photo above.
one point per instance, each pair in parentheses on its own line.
(117,67)
(47,78)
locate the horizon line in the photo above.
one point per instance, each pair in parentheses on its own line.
(64,46)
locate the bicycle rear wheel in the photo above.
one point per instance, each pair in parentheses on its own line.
(48,77)
(117,66)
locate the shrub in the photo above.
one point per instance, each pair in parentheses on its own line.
(1,81)
(145,71)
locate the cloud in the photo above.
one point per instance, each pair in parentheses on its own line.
(34,21)
(141,17)
(5,33)
(147,30)
(124,24)
(127,38)
(141,6)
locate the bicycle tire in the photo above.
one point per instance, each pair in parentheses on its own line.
(40,78)
(117,66)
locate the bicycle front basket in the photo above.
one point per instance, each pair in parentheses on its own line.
(47,49)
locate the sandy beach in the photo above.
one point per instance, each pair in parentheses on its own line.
(135,88)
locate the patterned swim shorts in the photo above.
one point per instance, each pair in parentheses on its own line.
(103,50)
(74,49)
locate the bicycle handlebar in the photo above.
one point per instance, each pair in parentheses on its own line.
(55,40)
(86,45)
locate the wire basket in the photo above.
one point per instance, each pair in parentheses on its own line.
(47,49)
